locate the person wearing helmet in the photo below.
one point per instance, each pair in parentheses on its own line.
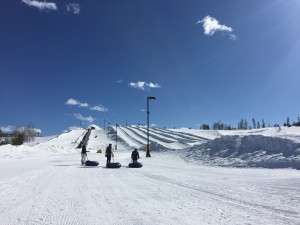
(108,154)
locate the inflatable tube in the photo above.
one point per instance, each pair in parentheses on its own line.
(135,165)
(113,165)
(91,163)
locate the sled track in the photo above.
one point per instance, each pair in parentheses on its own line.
(183,135)
(132,136)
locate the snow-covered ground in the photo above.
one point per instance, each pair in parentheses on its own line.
(44,183)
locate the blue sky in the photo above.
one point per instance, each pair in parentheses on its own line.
(65,63)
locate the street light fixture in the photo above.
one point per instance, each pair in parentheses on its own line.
(148,112)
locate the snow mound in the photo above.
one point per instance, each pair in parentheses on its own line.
(248,151)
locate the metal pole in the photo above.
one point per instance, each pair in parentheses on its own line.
(148,112)
(148,146)
(116,136)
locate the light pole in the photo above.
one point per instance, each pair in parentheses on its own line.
(148,112)
(116,136)
(104,123)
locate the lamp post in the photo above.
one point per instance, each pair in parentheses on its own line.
(148,112)
(116,136)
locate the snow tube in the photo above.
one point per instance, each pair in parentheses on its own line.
(113,165)
(135,165)
(91,163)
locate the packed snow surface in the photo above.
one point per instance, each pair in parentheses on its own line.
(44,183)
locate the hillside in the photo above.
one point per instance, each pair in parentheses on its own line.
(268,147)
(44,182)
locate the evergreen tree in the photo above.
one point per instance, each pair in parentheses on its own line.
(263,125)
(245,125)
(205,127)
(254,124)
(19,139)
(288,122)
(258,125)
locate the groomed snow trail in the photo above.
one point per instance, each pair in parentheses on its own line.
(166,190)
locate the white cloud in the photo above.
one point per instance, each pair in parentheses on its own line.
(41,5)
(37,130)
(82,118)
(75,128)
(73,8)
(99,108)
(120,81)
(151,85)
(142,85)
(212,25)
(138,85)
(83,105)
(11,129)
(72,101)
(8,129)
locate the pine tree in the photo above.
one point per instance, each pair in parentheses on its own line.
(254,124)
(245,125)
(263,124)
(19,139)
(288,122)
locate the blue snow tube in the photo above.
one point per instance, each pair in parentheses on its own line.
(91,163)
(135,165)
(113,165)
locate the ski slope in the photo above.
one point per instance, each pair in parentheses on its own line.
(44,183)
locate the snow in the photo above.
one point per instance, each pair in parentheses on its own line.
(184,182)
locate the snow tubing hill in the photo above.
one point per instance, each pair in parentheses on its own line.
(91,163)
(135,165)
(113,165)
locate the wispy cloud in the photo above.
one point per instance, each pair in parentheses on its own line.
(142,85)
(73,8)
(152,85)
(72,101)
(99,108)
(212,25)
(88,119)
(41,5)
(119,81)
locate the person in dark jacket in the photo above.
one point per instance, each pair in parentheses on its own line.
(108,153)
(83,154)
(135,155)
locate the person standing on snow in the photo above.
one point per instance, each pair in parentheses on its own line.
(83,154)
(135,155)
(108,153)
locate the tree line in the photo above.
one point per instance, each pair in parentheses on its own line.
(243,124)
(18,136)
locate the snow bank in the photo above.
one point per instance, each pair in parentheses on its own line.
(248,151)
(22,151)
